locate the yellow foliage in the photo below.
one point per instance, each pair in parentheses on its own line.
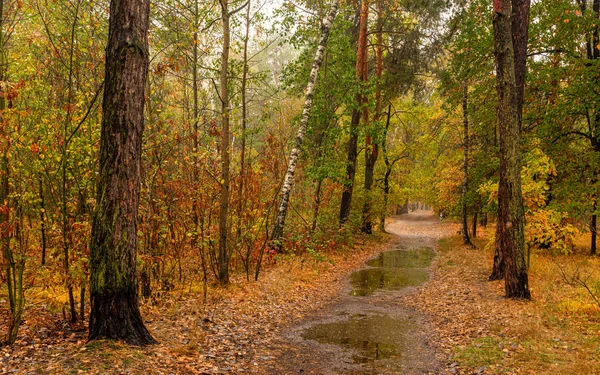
(549,228)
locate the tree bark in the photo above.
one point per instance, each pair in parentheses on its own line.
(14,263)
(465,187)
(244,90)
(317,205)
(519,24)
(115,310)
(388,171)
(361,54)
(474,231)
(42,218)
(288,181)
(510,236)
(223,256)
(520,37)
(593,227)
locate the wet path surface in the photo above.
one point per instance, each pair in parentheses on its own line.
(367,330)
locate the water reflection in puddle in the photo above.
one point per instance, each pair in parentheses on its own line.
(365,282)
(377,337)
(374,337)
(394,270)
(418,258)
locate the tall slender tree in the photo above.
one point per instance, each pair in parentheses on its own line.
(361,71)
(223,257)
(465,187)
(372,138)
(115,310)
(288,181)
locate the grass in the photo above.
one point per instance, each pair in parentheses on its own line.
(481,352)
(558,332)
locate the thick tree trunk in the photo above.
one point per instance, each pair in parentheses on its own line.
(115,310)
(510,236)
(465,187)
(519,23)
(288,181)
(520,37)
(223,256)
(361,66)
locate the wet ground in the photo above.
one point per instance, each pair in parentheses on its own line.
(367,330)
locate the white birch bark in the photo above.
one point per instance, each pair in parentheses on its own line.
(288,182)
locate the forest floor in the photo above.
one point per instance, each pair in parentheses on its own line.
(459,322)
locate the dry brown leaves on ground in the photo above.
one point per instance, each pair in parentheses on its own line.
(482,332)
(232,333)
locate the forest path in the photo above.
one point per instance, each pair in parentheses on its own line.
(367,329)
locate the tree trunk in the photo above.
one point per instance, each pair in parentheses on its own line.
(510,236)
(519,35)
(593,227)
(317,205)
(474,232)
(388,172)
(223,257)
(64,165)
(288,181)
(361,54)
(115,310)
(371,149)
(14,265)
(244,90)
(42,219)
(465,187)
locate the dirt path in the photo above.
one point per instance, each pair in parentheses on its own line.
(368,330)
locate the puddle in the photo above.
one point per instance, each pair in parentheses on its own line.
(365,282)
(374,337)
(378,337)
(394,270)
(418,258)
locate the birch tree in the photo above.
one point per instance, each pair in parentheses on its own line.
(288,181)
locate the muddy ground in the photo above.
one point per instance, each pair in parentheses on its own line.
(376,333)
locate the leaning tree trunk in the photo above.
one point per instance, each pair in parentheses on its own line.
(510,236)
(115,310)
(465,187)
(519,34)
(361,66)
(288,181)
